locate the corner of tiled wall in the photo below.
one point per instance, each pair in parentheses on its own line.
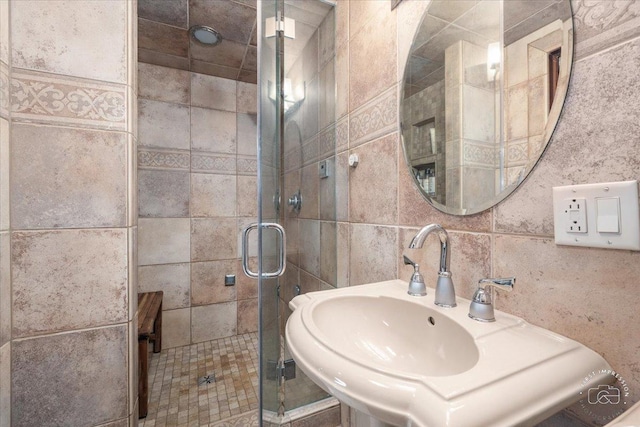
(72,235)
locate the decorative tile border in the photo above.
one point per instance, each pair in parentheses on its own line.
(376,118)
(248,419)
(478,154)
(327,142)
(213,163)
(517,153)
(247,165)
(292,159)
(342,134)
(48,98)
(157,158)
(310,150)
(171,159)
(602,24)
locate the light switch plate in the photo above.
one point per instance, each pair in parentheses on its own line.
(593,198)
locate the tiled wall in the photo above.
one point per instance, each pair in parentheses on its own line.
(309,138)
(5,278)
(197,188)
(68,248)
(587,294)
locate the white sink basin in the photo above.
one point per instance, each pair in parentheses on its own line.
(407,362)
(391,334)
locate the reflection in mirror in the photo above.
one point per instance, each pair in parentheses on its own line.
(395,3)
(483,88)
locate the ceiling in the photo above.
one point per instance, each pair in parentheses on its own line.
(163,36)
(474,21)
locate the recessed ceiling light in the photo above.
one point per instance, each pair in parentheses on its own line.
(204,35)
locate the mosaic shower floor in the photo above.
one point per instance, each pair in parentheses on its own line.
(176,399)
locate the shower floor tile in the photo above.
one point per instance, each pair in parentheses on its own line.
(176,399)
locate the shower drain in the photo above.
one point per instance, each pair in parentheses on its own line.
(207,379)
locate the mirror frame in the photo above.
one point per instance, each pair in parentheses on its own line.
(553,119)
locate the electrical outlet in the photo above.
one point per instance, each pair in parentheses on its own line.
(604,215)
(575,215)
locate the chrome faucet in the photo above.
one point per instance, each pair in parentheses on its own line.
(445,292)
(481,308)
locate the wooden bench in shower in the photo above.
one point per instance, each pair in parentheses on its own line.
(149,329)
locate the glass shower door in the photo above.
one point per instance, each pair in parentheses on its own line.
(294,114)
(309,168)
(269,163)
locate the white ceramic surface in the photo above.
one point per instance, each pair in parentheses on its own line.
(407,362)
(381,332)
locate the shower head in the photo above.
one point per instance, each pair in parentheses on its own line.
(205,36)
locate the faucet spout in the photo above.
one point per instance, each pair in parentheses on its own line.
(419,239)
(445,292)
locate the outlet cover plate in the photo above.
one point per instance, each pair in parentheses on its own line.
(629,220)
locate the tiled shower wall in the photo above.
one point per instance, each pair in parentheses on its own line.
(67,247)
(197,191)
(309,138)
(587,294)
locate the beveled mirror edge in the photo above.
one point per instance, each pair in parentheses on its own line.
(395,3)
(556,111)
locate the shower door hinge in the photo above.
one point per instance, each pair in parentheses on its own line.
(283,371)
(288,369)
(281,24)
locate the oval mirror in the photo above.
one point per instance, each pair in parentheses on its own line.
(483,88)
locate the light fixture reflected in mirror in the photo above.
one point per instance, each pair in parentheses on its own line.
(293,96)
(494,56)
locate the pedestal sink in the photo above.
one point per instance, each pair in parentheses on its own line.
(406,362)
(391,334)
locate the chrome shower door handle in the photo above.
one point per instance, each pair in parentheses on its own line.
(282,249)
(245,250)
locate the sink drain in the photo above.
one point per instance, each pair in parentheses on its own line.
(207,379)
